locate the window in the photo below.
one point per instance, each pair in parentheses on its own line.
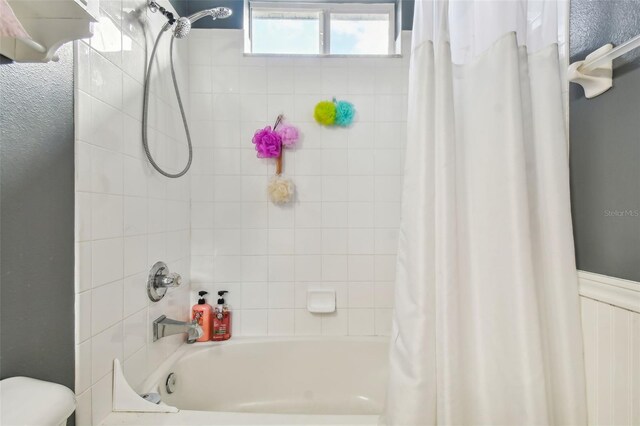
(320,28)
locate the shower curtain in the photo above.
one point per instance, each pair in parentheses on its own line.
(486,328)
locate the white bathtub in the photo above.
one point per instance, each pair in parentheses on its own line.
(259,381)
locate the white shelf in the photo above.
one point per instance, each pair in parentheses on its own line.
(51,23)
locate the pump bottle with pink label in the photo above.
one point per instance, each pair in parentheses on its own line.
(221,319)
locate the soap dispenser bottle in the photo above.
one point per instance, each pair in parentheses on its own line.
(221,319)
(204,314)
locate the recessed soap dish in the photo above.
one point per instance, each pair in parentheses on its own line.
(321,301)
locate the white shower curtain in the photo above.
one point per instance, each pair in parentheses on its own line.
(486,326)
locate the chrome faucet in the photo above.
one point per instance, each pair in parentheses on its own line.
(163,327)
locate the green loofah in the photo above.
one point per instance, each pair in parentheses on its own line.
(325,113)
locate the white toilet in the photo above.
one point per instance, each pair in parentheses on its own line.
(26,401)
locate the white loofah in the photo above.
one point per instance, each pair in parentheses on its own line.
(280,190)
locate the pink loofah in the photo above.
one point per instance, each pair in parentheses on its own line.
(268,143)
(289,134)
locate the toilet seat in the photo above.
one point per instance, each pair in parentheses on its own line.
(27,401)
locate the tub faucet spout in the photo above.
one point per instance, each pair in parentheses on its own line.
(163,327)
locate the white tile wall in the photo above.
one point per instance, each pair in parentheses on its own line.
(340,232)
(127,215)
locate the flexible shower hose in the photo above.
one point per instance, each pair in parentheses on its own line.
(145,108)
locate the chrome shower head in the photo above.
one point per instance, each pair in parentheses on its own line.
(221,12)
(182,27)
(215,13)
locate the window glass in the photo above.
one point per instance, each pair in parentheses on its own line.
(285,32)
(359,34)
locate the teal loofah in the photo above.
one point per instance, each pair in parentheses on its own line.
(345,113)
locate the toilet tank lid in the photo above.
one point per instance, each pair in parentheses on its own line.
(27,401)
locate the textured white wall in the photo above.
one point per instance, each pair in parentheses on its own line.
(127,215)
(341,231)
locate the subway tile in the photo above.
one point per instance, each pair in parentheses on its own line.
(388,188)
(361,241)
(83,164)
(384,295)
(308,267)
(334,241)
(307,164)
(385,268)
(361,322)
(281,295)
(106,261)
(281,241)
(101,399)
(255,295)
(361,295)
(135,255)
(308,241)
(227,268)
(361,267)
(200,51)
(386,241)
(106,80)
(307,324)
(335,323)
(134,177)
(83,408)
(106,216)
(334,162)
(135,216)
(361,188)
(255,241)
(105,347)
(279,80)
(200,79)
(135,333)
(135,293)
(251,79)
(334,268)
(254,322)
(219,242)
(361,162)
(231,215)
(106,306)
(335,215)
(83,316)
(135,369)
(83,266)
(281,216)
(309,215)
(383,322)
(281,322)
(281,104)
(255,268)
(334,189)
(281,268)
(361,215)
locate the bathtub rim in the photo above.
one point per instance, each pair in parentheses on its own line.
(154,380)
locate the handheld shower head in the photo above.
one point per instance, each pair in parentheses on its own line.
(182,27)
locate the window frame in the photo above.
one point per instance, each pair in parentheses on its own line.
(325,10)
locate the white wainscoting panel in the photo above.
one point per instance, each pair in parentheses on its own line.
(611,327)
